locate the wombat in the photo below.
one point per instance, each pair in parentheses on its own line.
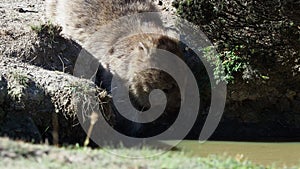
(83,21)
(81,18)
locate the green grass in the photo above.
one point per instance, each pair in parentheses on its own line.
(21,78)
(47,30)
(18,155)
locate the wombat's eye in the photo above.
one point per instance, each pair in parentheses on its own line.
(168,90)
(165,90)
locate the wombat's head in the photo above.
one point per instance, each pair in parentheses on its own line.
(144,52)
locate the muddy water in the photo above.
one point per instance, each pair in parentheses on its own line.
(260,153)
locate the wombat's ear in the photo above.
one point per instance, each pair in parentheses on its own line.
(143,47)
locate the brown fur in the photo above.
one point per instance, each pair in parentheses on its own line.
(83,20)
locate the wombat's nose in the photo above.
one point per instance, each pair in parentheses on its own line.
(169,89)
